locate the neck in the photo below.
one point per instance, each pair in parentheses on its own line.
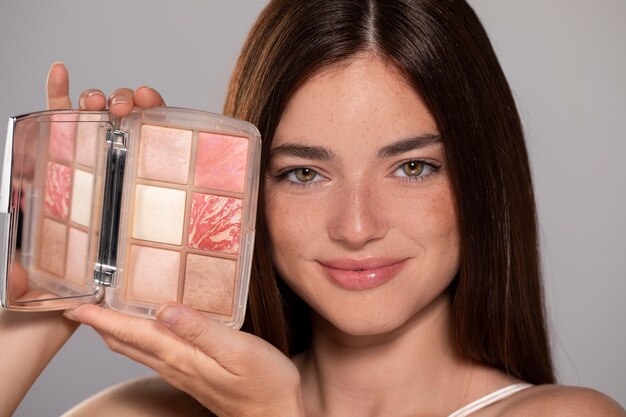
(413,370)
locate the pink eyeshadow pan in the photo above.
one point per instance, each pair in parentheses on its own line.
(209,284)
(221,162)
(153,275)
(58,184)
(62,140)
(86,140)
(215,223)
(53,244)
(164,154)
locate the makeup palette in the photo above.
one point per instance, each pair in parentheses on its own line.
(131,213)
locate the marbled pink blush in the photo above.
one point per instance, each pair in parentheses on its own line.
(221,162)
(62,139)
(57,190)
(215,223)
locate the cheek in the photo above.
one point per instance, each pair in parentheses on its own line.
(431,223)
(444,230)
(291,225)
(429,213)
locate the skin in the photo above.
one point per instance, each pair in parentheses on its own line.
(385,350)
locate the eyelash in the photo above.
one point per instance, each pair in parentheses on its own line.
(284,177)
(428,165)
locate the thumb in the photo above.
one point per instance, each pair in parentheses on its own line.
(209,336)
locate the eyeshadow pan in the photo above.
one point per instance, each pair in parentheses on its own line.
(164,154)
(215,223)
(82,197)
(62,139)
(77,246)
(159,214)
(221,162)
(57,190)
(153,274)
(86,140)
(53,244)
(209,284)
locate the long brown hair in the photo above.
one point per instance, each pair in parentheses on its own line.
(444,53)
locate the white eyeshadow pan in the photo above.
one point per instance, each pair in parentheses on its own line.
(152,206)
(82,197)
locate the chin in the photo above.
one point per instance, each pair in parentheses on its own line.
(370,325)
(385,320)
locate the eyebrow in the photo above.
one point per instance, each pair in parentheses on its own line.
(406,145)
(303,151)
(320,153)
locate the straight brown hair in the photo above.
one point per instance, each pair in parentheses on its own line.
(444,53)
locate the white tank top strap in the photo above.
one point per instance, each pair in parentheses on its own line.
(489,399)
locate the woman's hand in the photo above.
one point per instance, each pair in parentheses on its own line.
(232,373)
(120,102)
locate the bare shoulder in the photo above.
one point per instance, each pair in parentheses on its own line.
(560,401)
(140,397)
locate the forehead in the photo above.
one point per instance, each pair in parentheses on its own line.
(364,100)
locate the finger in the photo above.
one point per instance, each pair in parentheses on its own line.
(129,335)
(121,102)
(147,97)
(224,344)
(92,99)
(58,87)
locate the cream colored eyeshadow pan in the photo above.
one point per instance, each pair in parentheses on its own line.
(159,214)
(82,194)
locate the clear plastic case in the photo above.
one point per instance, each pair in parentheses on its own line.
(155,207)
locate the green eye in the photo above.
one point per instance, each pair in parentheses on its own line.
(416,170)
(413,168)
(304,174)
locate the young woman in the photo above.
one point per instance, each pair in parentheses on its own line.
(396,268)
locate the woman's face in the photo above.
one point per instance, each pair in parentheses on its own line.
(359,205)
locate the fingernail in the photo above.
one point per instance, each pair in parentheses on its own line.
(118,100)
(83,99)
(168,315)
(57,63)
(69,314)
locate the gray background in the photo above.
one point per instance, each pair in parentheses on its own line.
(566,63)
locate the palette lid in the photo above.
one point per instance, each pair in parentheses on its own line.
(39,271)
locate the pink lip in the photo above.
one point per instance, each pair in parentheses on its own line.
(353,274)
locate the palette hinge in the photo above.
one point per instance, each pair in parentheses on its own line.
(117,137)
(104,274)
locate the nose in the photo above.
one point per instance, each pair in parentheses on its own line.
(357,216)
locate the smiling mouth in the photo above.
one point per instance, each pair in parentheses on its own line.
(370,274)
